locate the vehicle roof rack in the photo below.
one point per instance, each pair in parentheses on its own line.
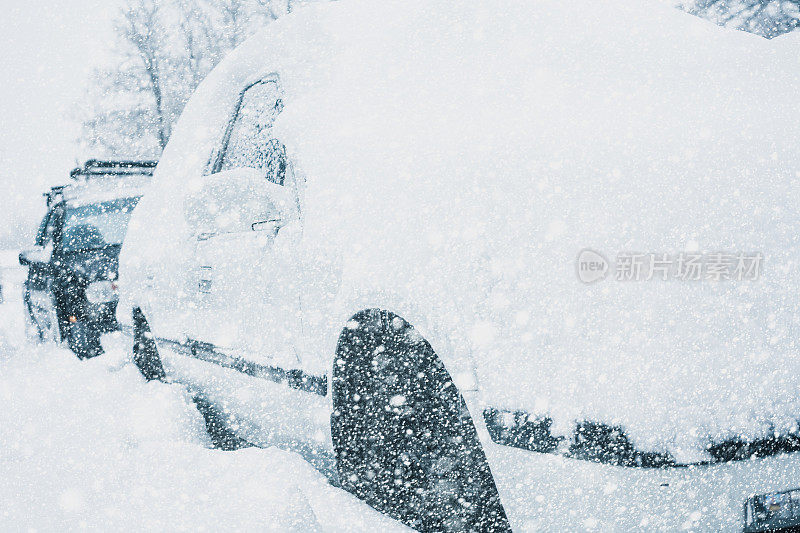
(95,167)
(92,175)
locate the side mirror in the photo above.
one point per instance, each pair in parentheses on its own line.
(36,255)
(238,200)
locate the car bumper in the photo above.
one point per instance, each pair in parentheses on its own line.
(99,318)
(544,492)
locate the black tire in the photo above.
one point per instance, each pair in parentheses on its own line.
(145,351)
(404,440)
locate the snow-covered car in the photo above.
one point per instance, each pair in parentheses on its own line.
(70,290)
(405,243)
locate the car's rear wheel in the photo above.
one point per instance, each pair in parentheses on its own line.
(404,440)
(145,351)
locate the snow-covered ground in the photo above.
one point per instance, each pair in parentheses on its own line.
(91,445)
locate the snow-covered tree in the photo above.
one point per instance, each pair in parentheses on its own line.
(768,18)
(163,50)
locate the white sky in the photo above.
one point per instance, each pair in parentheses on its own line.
(47,50)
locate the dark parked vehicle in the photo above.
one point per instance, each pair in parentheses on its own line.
(70,293)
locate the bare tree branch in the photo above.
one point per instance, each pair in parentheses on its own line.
(165,48)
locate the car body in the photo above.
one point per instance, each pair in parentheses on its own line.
(70,290)
(439,170)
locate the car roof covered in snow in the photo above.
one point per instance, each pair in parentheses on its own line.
(491,144)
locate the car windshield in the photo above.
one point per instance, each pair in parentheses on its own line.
(95,226)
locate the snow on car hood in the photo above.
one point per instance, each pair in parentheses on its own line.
(460,158)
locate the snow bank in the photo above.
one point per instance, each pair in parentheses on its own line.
(459,157)
(9,259)
(91,445)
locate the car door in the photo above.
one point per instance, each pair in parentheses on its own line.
(39,283)
(245,300)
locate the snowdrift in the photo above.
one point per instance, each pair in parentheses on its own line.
(91,445)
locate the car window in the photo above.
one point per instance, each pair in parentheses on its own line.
(95,226)
(250,141)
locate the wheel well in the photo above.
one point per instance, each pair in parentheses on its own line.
(398,416)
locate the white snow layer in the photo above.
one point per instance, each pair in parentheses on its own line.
(91,445)
(458,156)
